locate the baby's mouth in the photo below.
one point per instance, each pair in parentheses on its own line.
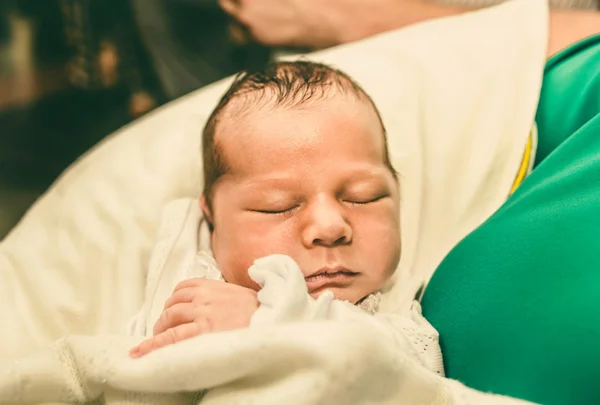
(329,277)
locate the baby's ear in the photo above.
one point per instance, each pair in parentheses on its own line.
(206,212)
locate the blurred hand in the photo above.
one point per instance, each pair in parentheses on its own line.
(315,23)
(200,306)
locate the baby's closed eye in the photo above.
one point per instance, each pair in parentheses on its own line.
(276,203)
(362,200)
(276,210)
(363,194)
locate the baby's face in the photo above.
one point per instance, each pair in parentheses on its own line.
(308,182)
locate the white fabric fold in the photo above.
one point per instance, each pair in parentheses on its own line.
(296,348)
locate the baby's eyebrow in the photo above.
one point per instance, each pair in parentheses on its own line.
(252,193)
(270,182)
(362,173)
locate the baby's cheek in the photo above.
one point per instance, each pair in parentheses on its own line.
(233,256)
(392,246)
(268,242)
(235,271)
(243,248)
(382,245)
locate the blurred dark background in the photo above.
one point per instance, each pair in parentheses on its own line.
(73,71)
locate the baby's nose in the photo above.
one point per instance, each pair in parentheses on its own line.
(328,226)
(331,241)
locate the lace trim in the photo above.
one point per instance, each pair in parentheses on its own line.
(371,303)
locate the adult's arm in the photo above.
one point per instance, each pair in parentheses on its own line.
(317,24)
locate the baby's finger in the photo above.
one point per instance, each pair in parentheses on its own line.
(190,282)
(168,337)
(174,316)
(182,296)
(194,282)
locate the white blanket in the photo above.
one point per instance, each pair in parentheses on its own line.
(298,350)
(344,362)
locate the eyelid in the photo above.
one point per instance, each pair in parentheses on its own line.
(372,200)
(276,212)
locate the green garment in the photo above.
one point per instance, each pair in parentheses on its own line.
(517,302)
(570,95)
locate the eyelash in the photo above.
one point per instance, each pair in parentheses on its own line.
(282,212)
(366,202)
(290,210)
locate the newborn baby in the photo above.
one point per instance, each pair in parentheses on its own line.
(295,163)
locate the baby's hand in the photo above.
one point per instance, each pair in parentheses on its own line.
(200,306)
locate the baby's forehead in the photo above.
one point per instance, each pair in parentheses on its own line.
(260,105)
(301,132)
